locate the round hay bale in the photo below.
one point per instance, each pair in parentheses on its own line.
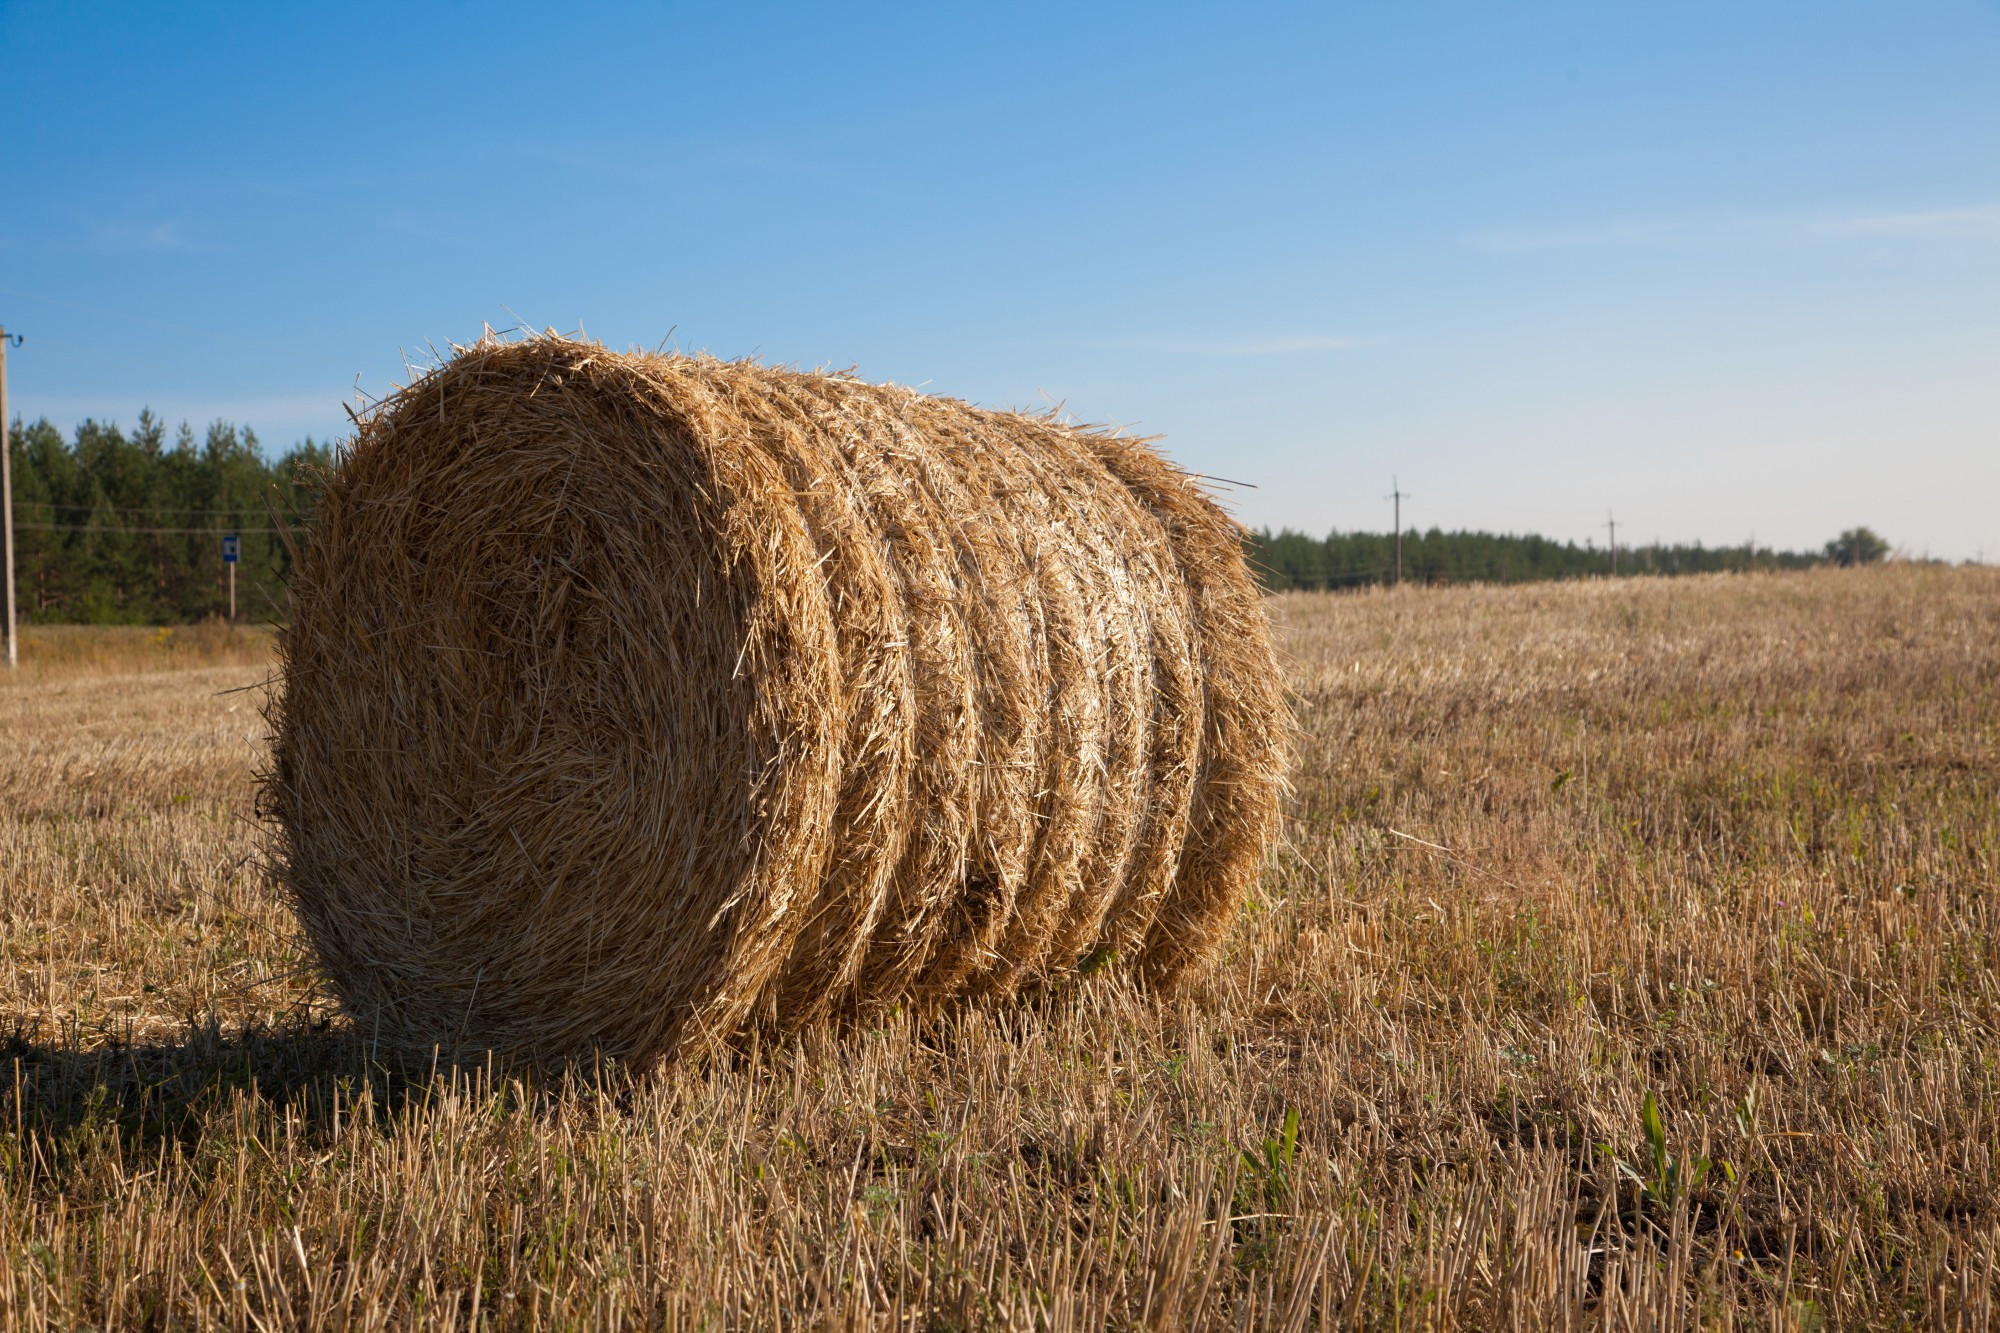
(627,699)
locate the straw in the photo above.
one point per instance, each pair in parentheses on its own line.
(629,699)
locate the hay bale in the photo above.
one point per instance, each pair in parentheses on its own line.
(628,699)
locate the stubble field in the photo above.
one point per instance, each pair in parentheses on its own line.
(1631,962)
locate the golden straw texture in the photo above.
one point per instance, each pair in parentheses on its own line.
(628,699)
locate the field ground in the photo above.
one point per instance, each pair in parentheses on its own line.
(1558,854)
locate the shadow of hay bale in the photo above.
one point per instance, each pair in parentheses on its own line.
(628,700)
(75,1087)
(77,1096)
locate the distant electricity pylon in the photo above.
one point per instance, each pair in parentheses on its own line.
(1612,524)
(1398,494)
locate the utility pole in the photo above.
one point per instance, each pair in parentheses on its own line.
(1398,494)
(1612,524)
(7,499)
(232,550)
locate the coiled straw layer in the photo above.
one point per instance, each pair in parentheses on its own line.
(629,699)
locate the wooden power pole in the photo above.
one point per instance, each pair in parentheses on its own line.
(1398,494)
(1612,524)
(7,499)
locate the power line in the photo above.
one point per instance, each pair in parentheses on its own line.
(220,531)
(114,509)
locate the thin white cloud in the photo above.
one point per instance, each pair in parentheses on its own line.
(1655,235)
(1276,345)
(1978,222)
(646,164)
(146,238)
(270,416)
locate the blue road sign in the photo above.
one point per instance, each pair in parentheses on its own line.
(231,544)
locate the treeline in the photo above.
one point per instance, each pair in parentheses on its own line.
(116,527)
(1354,559)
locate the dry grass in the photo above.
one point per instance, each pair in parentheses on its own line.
(1729,842)
(68,651)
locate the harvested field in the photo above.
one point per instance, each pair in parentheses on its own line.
(1725,848)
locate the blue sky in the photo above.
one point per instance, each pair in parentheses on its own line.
(1722,269)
